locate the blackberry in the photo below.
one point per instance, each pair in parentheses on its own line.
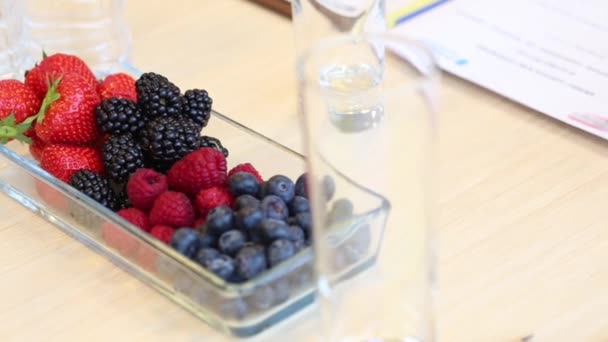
(207,141)
(157,96)
(167,139)
(197,106)
(123,201)
(119,116)
(95,186)
(121,156)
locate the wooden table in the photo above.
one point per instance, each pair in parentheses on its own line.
(524,210)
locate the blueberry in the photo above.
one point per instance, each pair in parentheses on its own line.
(304,221)
(205,254)
(243,183)
(255,235)
(272,229)
(279,251)
(262,192)
(329,186)
(274,207)
(300,245)
(246,219)
(341,210)
(245,201)
(220,220)
(358,245)
(296,234)
(222,266)
(231,241)
(291,221)
(250,261)
(281,186)
(298,205)
(282,290)
(208,240)
(186,241)
(262,298)
(302,185)
(233,308)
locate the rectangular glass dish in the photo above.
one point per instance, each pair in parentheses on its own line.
(241,310)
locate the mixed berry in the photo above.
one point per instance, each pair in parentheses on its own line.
(138,147)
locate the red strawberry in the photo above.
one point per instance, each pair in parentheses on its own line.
(201,169)
(118,85)
(37,146)
(51,196)
(135,216)
(172,209)
(246,167)
(208,199)
(67,115)
(62,160)
(17,99)
(57,65)
(144,186)
(163,233)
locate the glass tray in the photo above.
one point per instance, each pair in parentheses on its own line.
(237,309)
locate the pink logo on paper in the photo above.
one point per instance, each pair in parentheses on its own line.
(596,121)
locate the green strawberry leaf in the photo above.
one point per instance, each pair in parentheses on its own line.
(51,96)
(9,129)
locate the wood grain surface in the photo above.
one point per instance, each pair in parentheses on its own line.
(523,205)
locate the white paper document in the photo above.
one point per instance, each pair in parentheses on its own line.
(550,55)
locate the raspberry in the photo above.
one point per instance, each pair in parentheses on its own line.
(144,186)
(201,169)
(172,209)
(246,167)
(163,233)
(208,199)
(136,216)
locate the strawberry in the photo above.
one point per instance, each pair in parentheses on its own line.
(37,146)
(67,115)
(62,161)
(117,85)
(51,196)
(54,66)
(16,98)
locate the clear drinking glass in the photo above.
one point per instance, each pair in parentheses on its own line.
(317,19)
(368,106)
(94,30)
(13,39)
